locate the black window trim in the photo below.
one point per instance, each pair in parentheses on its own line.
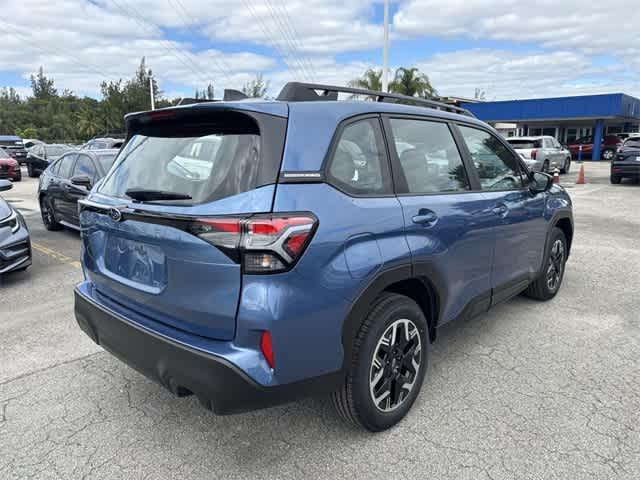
(326,163)
(525,170)
(400,184)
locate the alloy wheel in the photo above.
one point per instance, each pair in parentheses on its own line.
(555,266)
(47,216)
(608,154)
(395,365)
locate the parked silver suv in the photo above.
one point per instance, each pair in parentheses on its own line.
(542,153)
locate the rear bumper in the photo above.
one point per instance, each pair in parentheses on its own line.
(626,169)
(218,383)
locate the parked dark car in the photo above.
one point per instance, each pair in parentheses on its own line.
(15,244)
(9,167)
(103,143)
(13,145)
(67,180)
(40,156)
(252,253)
(610,144)
(626,164)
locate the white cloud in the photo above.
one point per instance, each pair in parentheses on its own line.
(590,27)
(506,75)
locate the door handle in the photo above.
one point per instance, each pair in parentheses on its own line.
(500,209)
(425,217)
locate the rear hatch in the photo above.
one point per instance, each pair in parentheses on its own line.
(157,232)
(526,148)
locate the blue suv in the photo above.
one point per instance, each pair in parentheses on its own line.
(254,252)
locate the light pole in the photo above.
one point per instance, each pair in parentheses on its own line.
(153,102)
(385,49)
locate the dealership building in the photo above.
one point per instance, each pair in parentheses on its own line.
(565,118)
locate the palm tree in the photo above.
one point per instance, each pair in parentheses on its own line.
(371,80)
(411,82)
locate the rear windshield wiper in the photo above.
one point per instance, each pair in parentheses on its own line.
(144,195)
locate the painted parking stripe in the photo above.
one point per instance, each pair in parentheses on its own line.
(57,255)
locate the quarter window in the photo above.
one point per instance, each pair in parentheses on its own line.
(429,157)
(359,163)
(497,168)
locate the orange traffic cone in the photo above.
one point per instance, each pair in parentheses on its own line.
(580,180)
(556,175)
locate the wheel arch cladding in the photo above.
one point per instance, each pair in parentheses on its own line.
(398,280)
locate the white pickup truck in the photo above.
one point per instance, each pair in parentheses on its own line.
(542,153)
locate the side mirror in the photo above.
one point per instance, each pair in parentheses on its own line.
(81,181)
(541,182)
(5,185)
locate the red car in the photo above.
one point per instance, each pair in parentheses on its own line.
(9,167)
(608,149)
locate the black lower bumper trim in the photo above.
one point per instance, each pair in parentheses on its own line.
(218,384)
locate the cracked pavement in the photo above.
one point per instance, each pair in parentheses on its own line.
(528,391)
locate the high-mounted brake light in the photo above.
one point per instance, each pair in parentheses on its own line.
(265,244)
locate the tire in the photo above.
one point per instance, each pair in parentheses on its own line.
(608,154)
(18,178)
(31,171)
(372,359)
(545,167)
(555,259)
(48,216)
(567,165)
(615,180)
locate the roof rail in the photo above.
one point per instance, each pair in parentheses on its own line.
(191,101)
(308,92)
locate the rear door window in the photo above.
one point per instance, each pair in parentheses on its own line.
(429,157)
(204,164)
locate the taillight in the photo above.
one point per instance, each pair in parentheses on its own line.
(264,244)
(534,154)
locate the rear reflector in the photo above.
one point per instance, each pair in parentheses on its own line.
(266,244)
(266,347)
(534,154)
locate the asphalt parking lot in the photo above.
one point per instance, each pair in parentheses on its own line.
(530,390)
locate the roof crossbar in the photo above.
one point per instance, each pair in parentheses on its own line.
(309,92)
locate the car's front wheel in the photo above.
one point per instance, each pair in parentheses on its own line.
(389,361)
(546,286)
(615,180)
(567,165)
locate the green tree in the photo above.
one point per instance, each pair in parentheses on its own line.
(256,88)
(205,93)
(411,82)
(371,80)
(42,86)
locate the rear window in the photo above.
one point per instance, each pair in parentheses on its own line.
(633,142)
(525,144)
(206,167)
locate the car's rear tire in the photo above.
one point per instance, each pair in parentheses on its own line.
(48,215)
(615,180)
(30,171)
(567,165)
(389,362)
(547,285)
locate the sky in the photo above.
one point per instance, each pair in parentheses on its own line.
(507,48)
